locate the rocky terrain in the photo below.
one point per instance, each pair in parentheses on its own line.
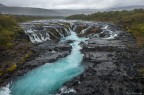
(112,67)
(47,52)
(112,61)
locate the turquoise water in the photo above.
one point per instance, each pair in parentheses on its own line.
(48,78)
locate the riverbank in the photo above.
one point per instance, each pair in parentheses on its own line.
(15,46)
(42,53)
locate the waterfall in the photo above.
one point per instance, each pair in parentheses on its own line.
(112,34)
(84,30)
(58,32)
(75,27)
(71,25)
(67,31)
(42,38)
(47,36)
(36,36)
(105,27)
(44,35)
(61,32)
(53,35)
(29,31)
(31,38)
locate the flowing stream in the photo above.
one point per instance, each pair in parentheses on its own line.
(48,78)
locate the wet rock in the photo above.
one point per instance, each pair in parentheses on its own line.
(69,41)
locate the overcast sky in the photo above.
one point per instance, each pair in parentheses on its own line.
(71,4)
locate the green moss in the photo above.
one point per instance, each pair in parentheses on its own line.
(138,31)
(9,30)
(141,70)
(25,57)
(12,68)
(28,55)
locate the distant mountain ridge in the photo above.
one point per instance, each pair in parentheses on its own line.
(1,5)
(28,11)
(43,12)
(126,8)
(56,12)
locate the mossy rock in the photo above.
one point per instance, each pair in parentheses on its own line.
(25,57)
(12,68)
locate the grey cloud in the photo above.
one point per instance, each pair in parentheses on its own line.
(71,4)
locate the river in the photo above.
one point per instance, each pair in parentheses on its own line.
(48,78)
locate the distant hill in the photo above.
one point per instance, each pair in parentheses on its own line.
(125,8)
(1,5)
(56,12)
(43,12)
(68,12)
(28,11)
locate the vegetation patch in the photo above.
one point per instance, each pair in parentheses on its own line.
(13,42)
(12,68)
(25,57)
(9,30)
